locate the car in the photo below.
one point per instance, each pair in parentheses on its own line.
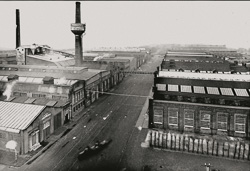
(92,150)
(85,153)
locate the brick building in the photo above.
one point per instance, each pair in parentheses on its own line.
(210,103)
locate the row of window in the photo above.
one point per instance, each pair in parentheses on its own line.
(78,106)
(78,96)
(205,119)
(203,90)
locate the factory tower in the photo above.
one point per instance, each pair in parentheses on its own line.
(78,29)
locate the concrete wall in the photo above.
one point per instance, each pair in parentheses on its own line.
(202,145)
(7,136)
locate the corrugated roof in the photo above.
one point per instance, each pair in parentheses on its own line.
(199,89)
(172,87)
(227,91)
(241,92)
(18,116)
(186,88)
(213,90)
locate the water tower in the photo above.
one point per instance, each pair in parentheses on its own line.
(78,29)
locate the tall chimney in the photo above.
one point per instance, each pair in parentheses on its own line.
(18,41)
(78,29)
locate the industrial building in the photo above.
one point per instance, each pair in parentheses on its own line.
(201,102)
(26,124)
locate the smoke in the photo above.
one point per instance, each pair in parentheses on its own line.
(8,89)
(98,58)
(61,81)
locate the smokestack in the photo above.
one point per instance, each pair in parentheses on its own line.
(18,40)
(78,29)
(78,12)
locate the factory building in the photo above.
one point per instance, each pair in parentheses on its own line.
(27,124)
(7,56)
(141,55)
(201,102)
(191,60)
(78,85)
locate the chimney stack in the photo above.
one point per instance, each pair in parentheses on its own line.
(18,41)
(78,29)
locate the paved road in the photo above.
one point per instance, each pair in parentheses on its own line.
(112,116)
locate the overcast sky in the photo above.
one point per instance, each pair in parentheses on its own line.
(126,23)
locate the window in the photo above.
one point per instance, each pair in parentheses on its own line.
(173,116)
(222,121)
(56,97)
(23,94)
(34,139)
(158,115)
(161,87)
(2,135)
(205,119)
(240,123)
(46,124)
(189,118)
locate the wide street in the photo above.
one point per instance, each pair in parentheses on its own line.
(112,116)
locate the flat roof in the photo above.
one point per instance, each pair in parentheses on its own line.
(18,116)
(39,80)
(70,76)
(188,52)
(40,101)
(206,76)
(189,55)
(125,57)
(68,68)
(52,57)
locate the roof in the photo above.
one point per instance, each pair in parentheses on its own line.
(54,57)
(35,80)
(17,116)
(209,90)
(70,76)
(125,57)
(206,76)
(36,67)
(116,59)
(39,101)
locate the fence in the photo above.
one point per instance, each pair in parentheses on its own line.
(181,142)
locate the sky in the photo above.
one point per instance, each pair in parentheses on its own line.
(127,23)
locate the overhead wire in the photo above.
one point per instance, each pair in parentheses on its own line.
(118,94)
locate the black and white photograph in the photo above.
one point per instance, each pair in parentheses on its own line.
(125,86)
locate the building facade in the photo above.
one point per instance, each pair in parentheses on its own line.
(211,103)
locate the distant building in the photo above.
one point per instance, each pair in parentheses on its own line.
(202,60)
(8,57)
(201,102)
